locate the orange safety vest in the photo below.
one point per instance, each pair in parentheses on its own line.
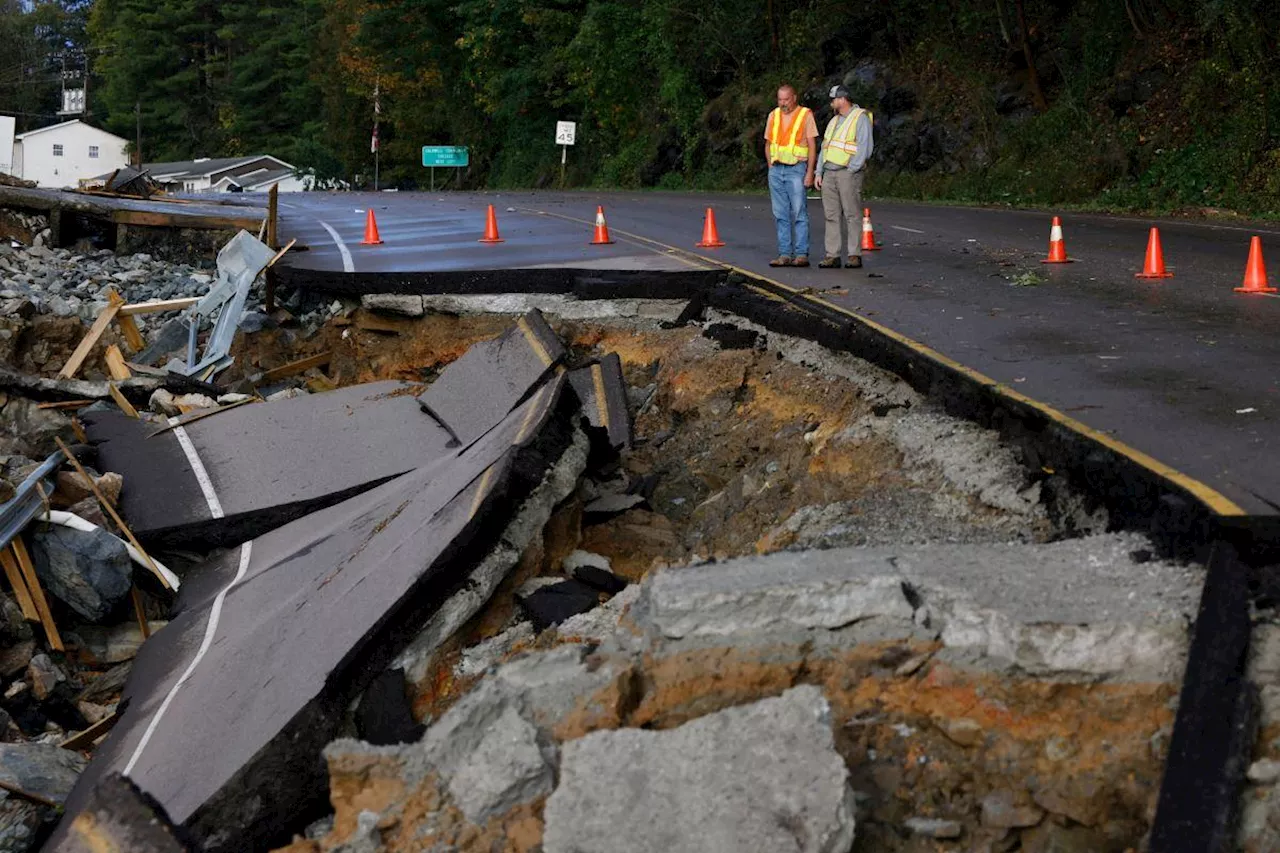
(796,147)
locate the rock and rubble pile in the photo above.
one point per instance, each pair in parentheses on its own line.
(913,696)
(65,283)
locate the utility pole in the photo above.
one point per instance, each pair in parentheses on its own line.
(137,145)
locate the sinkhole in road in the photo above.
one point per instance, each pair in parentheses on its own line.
(1026,701)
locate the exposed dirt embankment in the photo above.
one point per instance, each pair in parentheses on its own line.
(787,517)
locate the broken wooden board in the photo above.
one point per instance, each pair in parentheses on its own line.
(20,591)
(122,401)
(37,593)
(293,368)
(86,738)
(86,343)
(175,219)
(162,305)
(115,364)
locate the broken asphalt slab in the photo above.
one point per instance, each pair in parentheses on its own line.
(227,478)
(275,638)
(490,378)
(603,392)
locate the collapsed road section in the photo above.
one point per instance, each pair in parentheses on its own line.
(451,571)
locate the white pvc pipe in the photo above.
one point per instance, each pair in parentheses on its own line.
(75,522)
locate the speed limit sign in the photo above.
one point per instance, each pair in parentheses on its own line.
(566,131)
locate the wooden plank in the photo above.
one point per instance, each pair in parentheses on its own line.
(132,334)
(141,612)
(162,305)
(122,401)
(20,591)
(111,511)
(86,343)
(37,593)
(66,404)
(85,739)
(280,254)
(295,367)
(29,795)
(115,364)
(156,219)
(273,215)
(207,413)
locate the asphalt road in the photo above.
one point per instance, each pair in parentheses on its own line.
(1183,369)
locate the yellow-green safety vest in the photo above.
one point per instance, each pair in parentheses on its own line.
(840,144)
(796,146)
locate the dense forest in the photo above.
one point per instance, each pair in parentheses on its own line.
(1128,104)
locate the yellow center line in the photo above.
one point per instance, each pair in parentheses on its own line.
(602,406)
(481,491)
(1210,497)
(536,345)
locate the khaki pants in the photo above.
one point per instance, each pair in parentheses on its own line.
(842,204)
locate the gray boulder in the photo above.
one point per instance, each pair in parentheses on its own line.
(47,771)
(90,571)
(762,777)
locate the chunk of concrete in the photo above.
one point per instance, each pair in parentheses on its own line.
(762,777)
(406,305)
(89,570)
(506,768)
(788,592)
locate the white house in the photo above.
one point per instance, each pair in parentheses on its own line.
(61,155)
(254,173)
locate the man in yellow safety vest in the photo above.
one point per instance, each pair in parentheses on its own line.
(845,148)
(790,151)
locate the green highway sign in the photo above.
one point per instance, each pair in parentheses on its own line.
(444,155)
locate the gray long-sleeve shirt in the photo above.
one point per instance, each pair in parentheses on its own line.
(861,136)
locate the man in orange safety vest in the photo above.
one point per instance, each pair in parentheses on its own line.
(791,152)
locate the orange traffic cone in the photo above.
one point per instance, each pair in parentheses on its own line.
(1255,274)
(1057,246)
(601,236)
(1154,266)
(491,227)
(868,233)
(371,237)
(710,234)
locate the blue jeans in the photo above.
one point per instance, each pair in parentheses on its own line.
(786,189)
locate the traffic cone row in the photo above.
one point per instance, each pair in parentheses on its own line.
(1255,275)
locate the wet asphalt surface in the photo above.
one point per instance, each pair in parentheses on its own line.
(1183,368)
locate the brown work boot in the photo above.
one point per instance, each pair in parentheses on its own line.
(829,262)
(801,261)
(855,262)
(780,261)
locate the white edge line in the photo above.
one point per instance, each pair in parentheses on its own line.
(904,228)
(211,629)
(197,468)
(348,265)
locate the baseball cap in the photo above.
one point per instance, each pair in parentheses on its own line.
(839,92)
